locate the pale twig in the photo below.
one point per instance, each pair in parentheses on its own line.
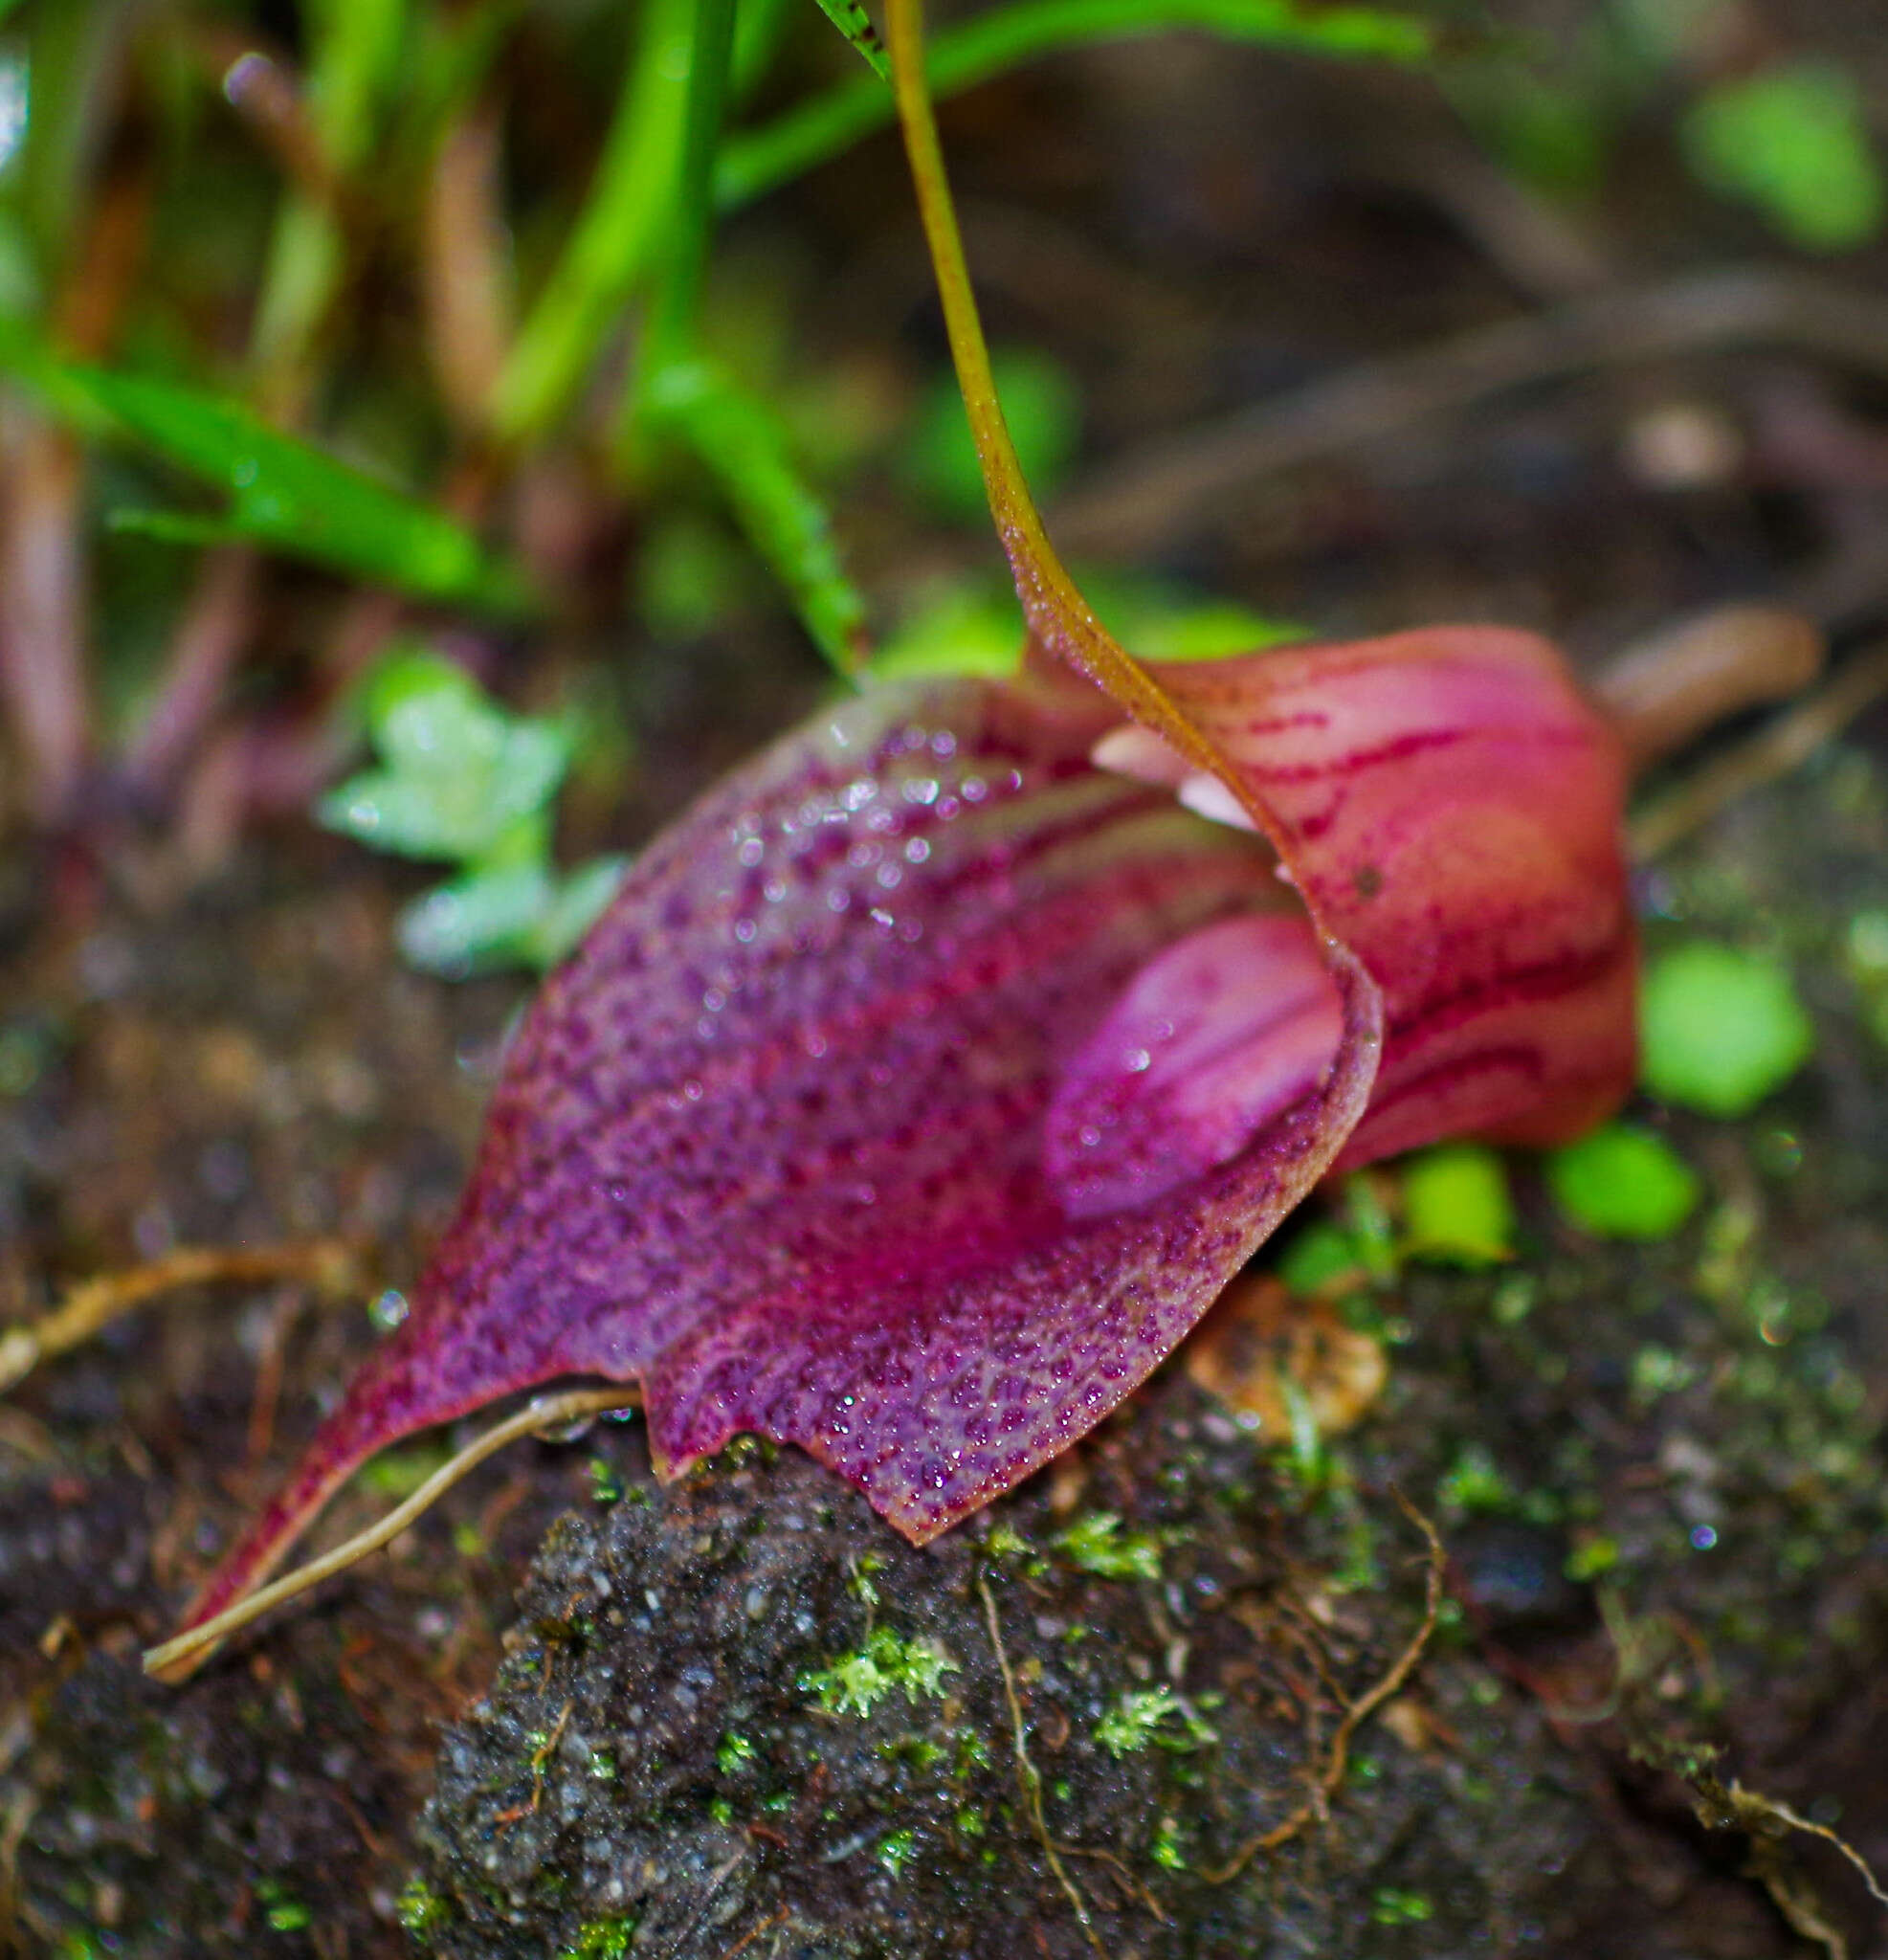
(176,1660)
(1031,1777)
(1785,744)
(1149,497)
(94,1303)
(1337,1758)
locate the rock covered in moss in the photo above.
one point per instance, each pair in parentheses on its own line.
(742,1709)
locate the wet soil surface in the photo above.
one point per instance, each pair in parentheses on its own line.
(1657,1472)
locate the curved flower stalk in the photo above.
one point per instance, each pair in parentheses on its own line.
(931,1078)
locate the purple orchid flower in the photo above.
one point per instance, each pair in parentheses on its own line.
(928,1080)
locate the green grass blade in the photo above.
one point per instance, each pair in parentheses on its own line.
(855,24)
(616,235)
(758,162)
(284,493)
(743,445)
(760,29)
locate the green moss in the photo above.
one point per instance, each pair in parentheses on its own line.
(1393,1905)
(283,1912)
(1794,141)
(733,1753)
(1656,1371)
(972,1753)
(1720,1028)
(894,1851)
(1095,1543)
(602,1939)
(1591,1557)
(1322,1259)
(1144,1718)
(1621,1181)
(1474,1485)
(1166,1851)
(396,1474)
(855,1684)
(419,1909)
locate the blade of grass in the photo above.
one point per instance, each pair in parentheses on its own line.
(71,54)
(685,255)
(754,164)
(615,239)
(739,440)
(355,71)
(285,494)
(742,443)
(855,24)
(759,26)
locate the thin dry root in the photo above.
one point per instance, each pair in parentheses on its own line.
(1730,1806)
(328,1263)
(1786,744)
(178,1658)
(1031,1777)
(1336,1757)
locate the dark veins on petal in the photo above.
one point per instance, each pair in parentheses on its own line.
(773,1141)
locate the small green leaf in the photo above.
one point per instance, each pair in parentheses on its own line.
(1794,140)
(460,805)
(462,780)
(1622,1182)
(1457,1210)
(1720,1028)
(576,906)
(491,918)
